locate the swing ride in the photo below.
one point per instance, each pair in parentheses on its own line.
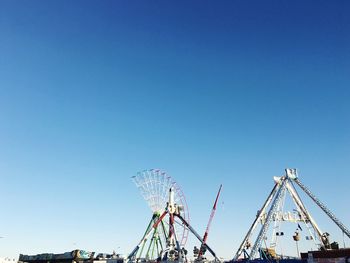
(271,215)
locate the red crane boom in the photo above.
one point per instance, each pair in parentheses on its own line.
(210,220)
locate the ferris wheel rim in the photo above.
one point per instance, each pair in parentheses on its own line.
(154,185)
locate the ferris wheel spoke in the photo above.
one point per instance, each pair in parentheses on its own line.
(154,186)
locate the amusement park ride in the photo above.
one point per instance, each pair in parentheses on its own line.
(272,212)
(169,227)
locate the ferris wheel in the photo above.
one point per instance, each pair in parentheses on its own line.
(159,190)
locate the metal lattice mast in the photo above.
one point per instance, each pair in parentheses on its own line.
(269,217)
(277,223)
(324,208)
(256,221)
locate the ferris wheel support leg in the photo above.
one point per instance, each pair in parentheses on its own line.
(133,253)
(143,247)
(160,219)
(159,246)
(171,225)
(151,243)
(178,247)
(164,230)
(148,230)
(154,247)
(146,234)
(197,236)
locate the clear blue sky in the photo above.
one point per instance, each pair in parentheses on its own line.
(212,92)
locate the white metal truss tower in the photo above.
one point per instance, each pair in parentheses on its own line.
(275,202)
